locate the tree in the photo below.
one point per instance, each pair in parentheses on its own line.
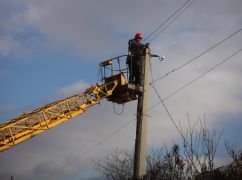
(199,147)
(193,159)
(167,166)
(117,166)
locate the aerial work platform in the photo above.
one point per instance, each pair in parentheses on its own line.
(112,71)
(125,92)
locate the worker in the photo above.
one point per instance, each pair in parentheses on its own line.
(134,60)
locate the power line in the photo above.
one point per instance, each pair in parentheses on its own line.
(162,100)
(186,85)
(197,78)
(115,132)
(175,17)
(169,114)
(203,74)
(93,147)
(175,92)
(175,14)
(169,18)
(153,106)
(198,56)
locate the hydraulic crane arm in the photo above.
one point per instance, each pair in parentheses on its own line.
(114,88)
(39,120)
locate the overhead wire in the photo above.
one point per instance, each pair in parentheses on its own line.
(107,137)
(115,111)
(175,17)
(175,14)
(167,111)
(152,107)
(199,55)
(203,74)
(169,114)
(93,147)
(161,101)
(169,18)
(197,78)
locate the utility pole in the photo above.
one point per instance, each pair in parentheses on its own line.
(142,117)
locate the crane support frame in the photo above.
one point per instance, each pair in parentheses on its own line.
(114,88)
(39,120)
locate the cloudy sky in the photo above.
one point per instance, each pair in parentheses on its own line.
(51,49)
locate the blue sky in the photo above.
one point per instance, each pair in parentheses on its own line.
(51,49)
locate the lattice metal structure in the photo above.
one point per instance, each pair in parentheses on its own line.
(39,120)
(115,88)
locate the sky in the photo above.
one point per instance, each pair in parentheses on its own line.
(50,50)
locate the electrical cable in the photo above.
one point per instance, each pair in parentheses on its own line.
(118,113)
(175,17)
(203,74)
(93,147)
(197,78)
(169,114)
(153,106)
(198,56)
(169,18)
(162,100)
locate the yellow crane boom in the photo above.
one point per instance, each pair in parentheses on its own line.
(39,120)
(114,88)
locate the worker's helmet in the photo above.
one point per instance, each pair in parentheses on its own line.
(138,36)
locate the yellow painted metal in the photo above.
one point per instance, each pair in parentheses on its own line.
(39,120)
(125,92)
(106,63)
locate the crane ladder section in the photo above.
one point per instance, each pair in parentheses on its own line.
(39,120)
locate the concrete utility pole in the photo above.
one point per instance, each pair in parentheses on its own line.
(142,117)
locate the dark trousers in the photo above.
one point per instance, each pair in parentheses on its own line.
(134,71)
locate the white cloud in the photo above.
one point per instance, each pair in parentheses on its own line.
(101,29)
(73,89)
(76,23)
(18,37)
